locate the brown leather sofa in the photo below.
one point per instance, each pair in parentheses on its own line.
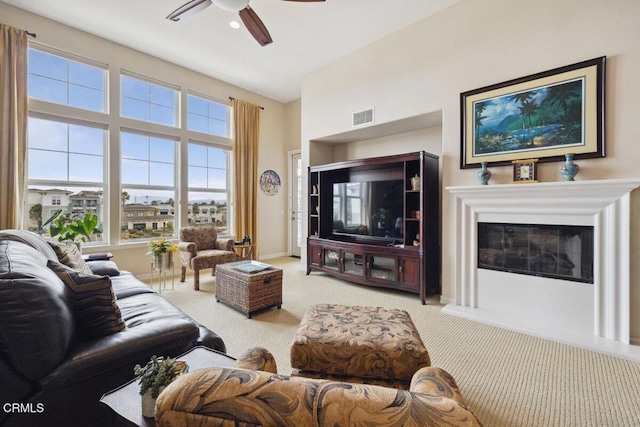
(52,377)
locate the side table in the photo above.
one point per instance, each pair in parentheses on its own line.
(126,402)
(162,264)
(248,292)
(244,251)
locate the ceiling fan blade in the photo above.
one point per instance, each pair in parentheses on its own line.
(255,26)
(188,9)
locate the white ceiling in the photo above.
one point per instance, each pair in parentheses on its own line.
(306,36)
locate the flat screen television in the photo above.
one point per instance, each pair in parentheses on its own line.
(369,210)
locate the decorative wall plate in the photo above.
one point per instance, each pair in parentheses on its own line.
(270,182)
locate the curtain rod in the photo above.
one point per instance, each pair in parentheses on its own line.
(29,33)
(231,98)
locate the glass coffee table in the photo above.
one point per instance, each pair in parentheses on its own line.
(126,402)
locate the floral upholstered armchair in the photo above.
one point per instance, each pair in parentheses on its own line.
(200,248)
(253,394)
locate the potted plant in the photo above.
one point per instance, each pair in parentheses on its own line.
(161,251)
(158,373)
(381,216)
(65,227)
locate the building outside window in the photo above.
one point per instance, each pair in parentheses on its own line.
(148,180)
(208,172)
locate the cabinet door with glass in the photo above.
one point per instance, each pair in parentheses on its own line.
(331,258)
(381,268)
(353,263)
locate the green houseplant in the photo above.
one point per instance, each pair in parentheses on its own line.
(381,216)
(158,373)
(65,227)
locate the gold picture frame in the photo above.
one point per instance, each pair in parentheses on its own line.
(544,115)
(525,171)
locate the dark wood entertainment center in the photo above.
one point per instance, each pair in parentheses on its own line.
(350,235)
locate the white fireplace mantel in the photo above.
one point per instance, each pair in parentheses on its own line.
(594,316)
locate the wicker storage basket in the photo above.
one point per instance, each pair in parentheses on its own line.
(248,292)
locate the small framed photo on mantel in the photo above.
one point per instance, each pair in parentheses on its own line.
(525,171)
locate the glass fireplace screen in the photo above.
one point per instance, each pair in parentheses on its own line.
(557,251)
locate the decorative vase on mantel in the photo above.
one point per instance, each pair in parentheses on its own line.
(569,170)
(484,174)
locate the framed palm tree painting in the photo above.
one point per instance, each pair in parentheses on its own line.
(544,115)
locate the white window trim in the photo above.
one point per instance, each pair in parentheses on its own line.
(112,121)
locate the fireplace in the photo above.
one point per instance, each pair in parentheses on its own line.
(556,251)
(592,310)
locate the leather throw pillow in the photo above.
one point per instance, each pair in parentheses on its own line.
(94,306)
(69,255)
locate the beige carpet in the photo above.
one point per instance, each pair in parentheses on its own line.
(508,378)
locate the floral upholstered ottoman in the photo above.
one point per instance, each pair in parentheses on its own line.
(358,344)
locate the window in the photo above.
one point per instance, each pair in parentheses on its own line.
(63,151)
(147,101)
(354,203)
(65,163)
(348,202)
(207,116)
(70,128)
(148,181)
(53,78)
(208,190)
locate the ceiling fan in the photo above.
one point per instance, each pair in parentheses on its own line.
(248,16)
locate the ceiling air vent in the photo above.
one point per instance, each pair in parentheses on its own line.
(363,117)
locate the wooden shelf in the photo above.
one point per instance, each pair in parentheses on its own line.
(411,268)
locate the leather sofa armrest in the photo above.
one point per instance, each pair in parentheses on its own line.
(257,358)
(190,247)
(224,245)
(210,339)
(103,256)
(436,382)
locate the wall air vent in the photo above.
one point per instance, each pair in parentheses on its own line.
(363,117)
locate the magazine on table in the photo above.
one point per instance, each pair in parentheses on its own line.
(250,266)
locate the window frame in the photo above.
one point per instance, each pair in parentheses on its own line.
(149,80)
(112,121)
(228,191)
(81,60)
(213,100)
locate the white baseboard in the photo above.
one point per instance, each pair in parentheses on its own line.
(275,255)
(565,336)
(446,300)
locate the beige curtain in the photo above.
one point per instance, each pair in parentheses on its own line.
(13,124)
(247,127)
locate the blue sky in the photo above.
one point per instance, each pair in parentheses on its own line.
(61,151)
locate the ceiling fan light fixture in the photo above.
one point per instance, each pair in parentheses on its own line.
(232,5)
(189,9)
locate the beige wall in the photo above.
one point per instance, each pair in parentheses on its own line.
(472,44)
(429,140)
(274,142)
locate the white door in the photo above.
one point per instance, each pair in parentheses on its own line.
(295,204)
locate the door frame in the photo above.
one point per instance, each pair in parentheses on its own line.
(291,207)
